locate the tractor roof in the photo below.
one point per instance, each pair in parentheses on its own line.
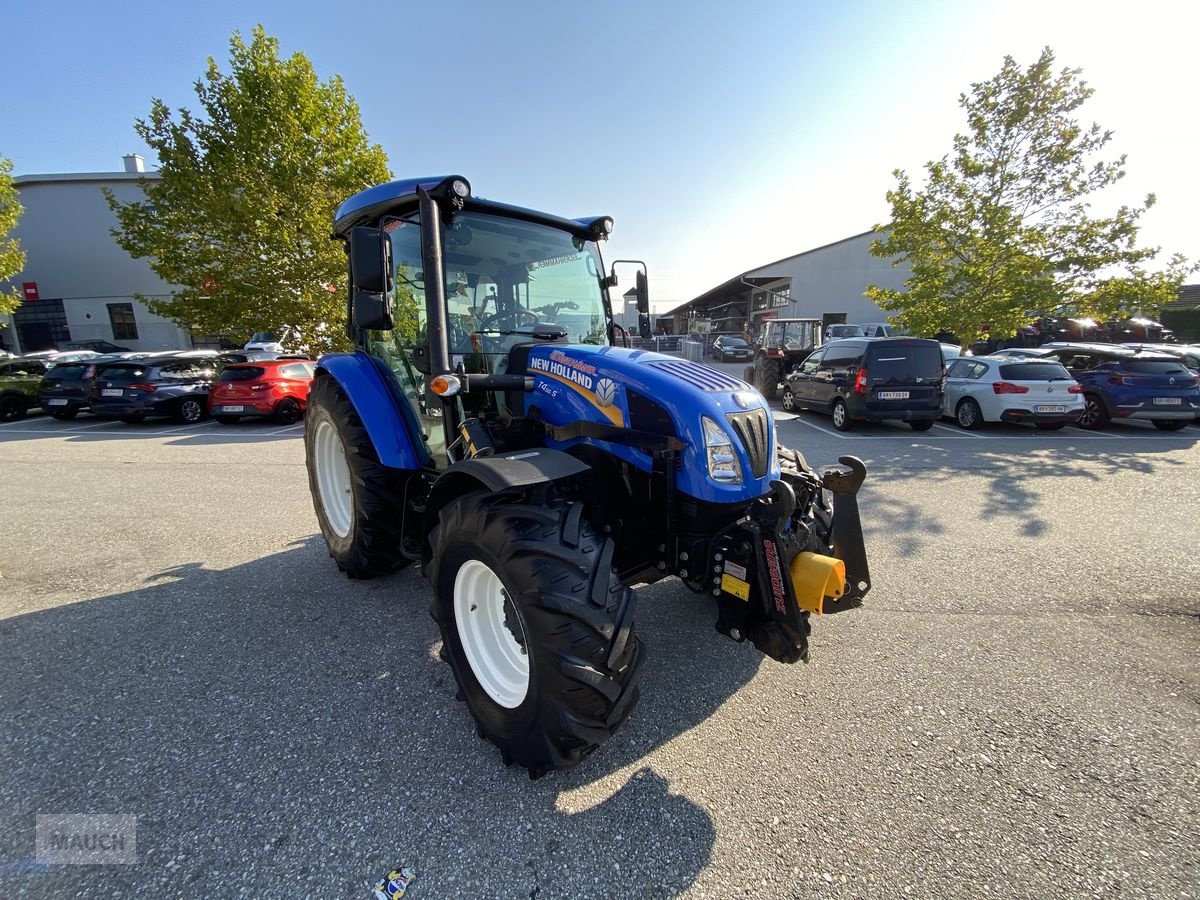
(400,197)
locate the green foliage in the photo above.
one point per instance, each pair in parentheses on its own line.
(1002,230)
(12,258)
(247,194)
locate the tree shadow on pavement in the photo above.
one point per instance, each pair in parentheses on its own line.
(277,727)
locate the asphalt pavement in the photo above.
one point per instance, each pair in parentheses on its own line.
(1013,714)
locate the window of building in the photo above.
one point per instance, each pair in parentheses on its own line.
(124,328)
(41,325)
(781,297)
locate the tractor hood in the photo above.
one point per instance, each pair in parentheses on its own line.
(649,392)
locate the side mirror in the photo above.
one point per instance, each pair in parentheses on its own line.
(372,311)
(370,261)
(642,292)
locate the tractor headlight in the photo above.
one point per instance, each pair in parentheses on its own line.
(723,465)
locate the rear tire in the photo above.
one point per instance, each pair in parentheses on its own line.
(1170,424)
(358,500)
(768,374)
(535,625)
(12,408)
(968,415)
(789,400)
(287,412)
(841,416)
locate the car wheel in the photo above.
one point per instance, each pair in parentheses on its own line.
(287,412)
(65,414)
(358,500)
(841,416)
(968,414)
(133,420)
(1170,424)
(921,424)
(190,411)
(11,409)
(227,420)
(789,399)
(1095,415)
(535,625)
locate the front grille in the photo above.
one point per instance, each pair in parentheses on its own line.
(751,429)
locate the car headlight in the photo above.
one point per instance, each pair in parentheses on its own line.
(723,465)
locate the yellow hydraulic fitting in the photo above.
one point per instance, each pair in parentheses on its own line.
(816,577)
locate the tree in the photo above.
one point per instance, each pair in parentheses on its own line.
(1003,232)
(12,258)
(240,217)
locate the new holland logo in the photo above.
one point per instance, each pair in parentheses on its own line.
(605,391)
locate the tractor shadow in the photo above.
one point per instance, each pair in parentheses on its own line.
(275,723)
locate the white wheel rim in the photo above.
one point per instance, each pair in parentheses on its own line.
(498,660)
(333,479)
(839,414)
(787,400)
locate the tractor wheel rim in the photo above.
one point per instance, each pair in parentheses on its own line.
(485,627)
(333,479)
(839,415)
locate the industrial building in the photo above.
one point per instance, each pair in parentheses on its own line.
(826,283)
(78,284)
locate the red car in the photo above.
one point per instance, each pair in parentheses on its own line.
(266,387)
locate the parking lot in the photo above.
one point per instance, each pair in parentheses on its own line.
(1014,712)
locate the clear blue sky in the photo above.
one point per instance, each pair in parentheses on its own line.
(720,136)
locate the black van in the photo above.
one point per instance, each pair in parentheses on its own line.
(871,379)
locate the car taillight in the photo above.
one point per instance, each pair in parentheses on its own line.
(1127,380)
(262,385)
(1004,387)
(1075,389)
(860,382)
(146,387)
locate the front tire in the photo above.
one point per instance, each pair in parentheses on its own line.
(789,399)
(357,499)
(535,625)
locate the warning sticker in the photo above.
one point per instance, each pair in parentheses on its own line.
(735,586)
(735,570)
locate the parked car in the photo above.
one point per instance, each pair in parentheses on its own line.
(951,351)
(97,346)
(1119,383)
(839,332)
(1002,389)
(883,329)
(1188,353)
(19,380)
(871,379)
(1019,352)
(277,388)
(65,390)
(729,347)
(135,389)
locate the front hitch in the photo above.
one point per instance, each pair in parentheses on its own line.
(848,544)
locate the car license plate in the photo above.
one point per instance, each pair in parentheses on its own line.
(1050,409)
(1168,401)
(226,409)
(111,392)
(58,401)
(892,395)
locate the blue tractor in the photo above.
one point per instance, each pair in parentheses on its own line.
(494,426)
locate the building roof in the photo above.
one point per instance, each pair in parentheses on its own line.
(1189,298)
(19,180)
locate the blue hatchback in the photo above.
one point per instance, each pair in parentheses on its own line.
(1125,384)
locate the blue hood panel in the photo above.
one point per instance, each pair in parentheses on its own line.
(585,382)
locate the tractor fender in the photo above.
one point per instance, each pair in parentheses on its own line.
(387,416)
(513,469)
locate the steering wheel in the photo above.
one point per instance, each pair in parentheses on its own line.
(509,320)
